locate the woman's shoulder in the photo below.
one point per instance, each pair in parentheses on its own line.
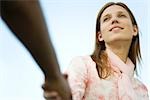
(139,85)
(86,60)
(79,66)
(81,62)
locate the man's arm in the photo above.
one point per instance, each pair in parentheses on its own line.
(26,21)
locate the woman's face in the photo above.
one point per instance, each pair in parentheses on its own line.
(116,25)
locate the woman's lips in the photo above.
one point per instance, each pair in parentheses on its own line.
(116,28)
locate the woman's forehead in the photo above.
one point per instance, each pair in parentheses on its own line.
(114,9)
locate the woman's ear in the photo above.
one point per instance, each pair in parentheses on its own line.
(100,36)
(135,30)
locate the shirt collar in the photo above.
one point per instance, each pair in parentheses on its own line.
(118,65)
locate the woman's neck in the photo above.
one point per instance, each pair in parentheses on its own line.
(120,49)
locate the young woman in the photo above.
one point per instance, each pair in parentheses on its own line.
(108,74)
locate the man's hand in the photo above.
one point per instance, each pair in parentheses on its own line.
(56,89)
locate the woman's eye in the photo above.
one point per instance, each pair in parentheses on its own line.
(105,19)
(122,15)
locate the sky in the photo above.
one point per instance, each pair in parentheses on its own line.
(71,24)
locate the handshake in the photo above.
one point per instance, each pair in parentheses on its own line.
(57,89)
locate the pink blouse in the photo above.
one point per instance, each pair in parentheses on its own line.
(86,85)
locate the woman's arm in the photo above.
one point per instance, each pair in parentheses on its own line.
(77,77)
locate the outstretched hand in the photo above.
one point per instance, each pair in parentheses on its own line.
(57,89)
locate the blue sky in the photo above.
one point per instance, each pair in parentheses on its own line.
(71,24)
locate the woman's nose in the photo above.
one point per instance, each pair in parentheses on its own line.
(114,20)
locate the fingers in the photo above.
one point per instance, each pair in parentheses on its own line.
(65,76)
(46,86)
(51,96)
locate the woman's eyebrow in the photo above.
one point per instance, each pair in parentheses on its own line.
(107,15)
(121,12)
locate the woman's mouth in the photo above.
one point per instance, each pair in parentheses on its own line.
(116,28)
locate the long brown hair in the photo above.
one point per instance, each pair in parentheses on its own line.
(100,57)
